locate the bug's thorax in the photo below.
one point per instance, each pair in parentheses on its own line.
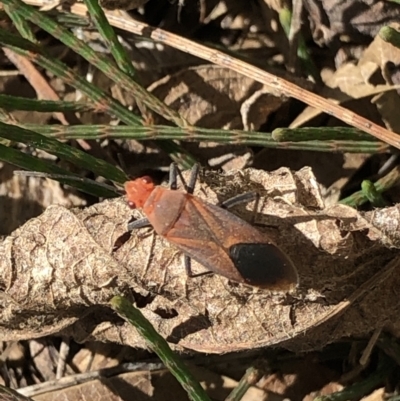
(163,208)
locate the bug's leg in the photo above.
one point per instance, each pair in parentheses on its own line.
(135,224)
(173,176)
(174,172)
(243,198)
(188,268)
(238,199)
(193,178)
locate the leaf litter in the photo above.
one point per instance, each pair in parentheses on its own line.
(63,263)
(62,267)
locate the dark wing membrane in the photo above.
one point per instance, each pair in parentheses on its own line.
(225,244)
(264,265)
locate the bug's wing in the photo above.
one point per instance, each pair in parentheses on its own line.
(229,246)
(198,233)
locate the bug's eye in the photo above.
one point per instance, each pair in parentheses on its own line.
(147,180)
(132,205)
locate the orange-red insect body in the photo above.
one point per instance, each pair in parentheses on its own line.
(214,237)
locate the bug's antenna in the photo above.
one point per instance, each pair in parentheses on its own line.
(193,178)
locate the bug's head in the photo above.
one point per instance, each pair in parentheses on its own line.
(137,191)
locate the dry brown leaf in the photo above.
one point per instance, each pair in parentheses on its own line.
(97,356)
(211,96)
(345,84)
(143,384)
(43,358)
(25,197)
(370,76)
(61,269)
(377,395)
(293,382)
(349,20)
(138,386)
(377,59)
(218,387)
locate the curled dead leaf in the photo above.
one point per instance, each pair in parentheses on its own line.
(61,269)
(211,96)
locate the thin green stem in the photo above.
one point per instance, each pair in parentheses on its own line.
(100,99)
(320,134)
(391,35)
(162,132)
(250,378)
(63,151)
(28,162)
(38,55)
(383,184)
(21,24)
(285,18)
(9,102)
(157,344)
(374,197)
(97,60)
(107,32)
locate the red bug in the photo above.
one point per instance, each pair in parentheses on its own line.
(209,234)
